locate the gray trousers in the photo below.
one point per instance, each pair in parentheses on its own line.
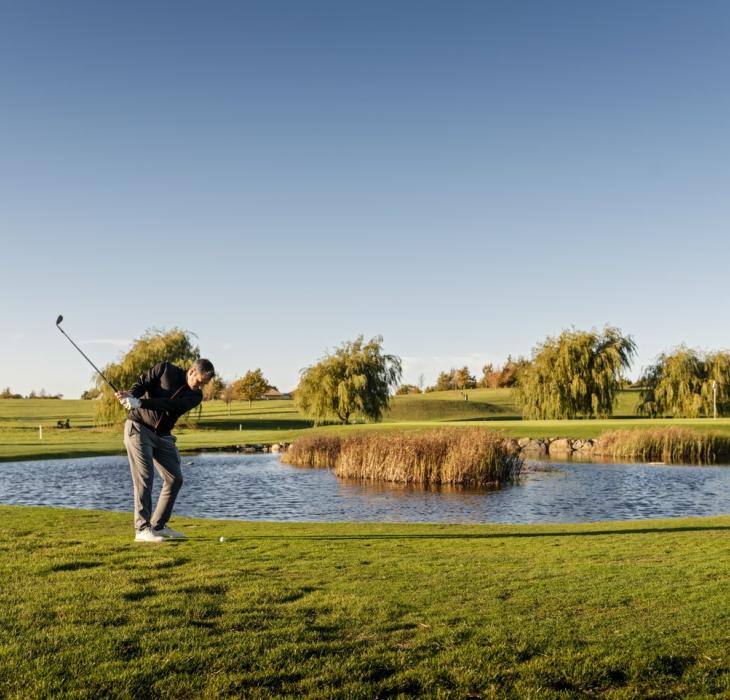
(146,451)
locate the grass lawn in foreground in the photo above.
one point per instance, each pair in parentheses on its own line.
(619,610)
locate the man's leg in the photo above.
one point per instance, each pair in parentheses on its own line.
(139,451)
(167,461)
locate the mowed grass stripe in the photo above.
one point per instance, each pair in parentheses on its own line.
(353,610)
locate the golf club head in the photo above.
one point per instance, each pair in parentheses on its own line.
(59,319)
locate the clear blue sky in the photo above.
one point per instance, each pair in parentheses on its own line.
(464,178)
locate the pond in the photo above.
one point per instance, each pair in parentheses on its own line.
(259,487)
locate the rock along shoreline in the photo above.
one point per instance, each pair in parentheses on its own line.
(527,447)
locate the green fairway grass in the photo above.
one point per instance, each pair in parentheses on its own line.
(450,405)
(23,413)
(481,404)
(280,421)
(619,610)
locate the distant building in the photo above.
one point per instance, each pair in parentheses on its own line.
(273,394)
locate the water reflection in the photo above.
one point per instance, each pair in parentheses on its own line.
(259,487)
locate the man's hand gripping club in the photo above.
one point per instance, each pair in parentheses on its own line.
(127,400)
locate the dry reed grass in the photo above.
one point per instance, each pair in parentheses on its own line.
(465,457)
(315,451)
(674,445)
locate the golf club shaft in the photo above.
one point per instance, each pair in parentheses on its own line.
(99,372)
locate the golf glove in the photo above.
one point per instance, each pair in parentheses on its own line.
(131,403)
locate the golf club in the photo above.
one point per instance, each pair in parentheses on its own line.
(99,372)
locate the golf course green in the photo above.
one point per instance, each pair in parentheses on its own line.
(220,425)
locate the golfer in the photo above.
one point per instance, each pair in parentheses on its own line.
(155,402)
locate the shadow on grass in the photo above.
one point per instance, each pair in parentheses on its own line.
(137,595)
(256,424)
(75,566)
(477,536)
(67,453)
(484,419)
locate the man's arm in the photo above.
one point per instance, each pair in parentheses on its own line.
(146,380)
(190,400)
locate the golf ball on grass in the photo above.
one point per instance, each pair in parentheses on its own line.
(222,539)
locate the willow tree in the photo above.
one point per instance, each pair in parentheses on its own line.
(718,370)
(355,380)
(154,346)
(577,374)
(680,384)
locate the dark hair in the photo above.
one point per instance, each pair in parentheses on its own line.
(205,367)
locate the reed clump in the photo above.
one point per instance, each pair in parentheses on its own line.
(674,445)
(464,457)
(315,451)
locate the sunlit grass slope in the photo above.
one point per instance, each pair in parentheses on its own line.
(620,610)
(450,405)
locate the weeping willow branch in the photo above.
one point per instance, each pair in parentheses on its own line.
(578,374)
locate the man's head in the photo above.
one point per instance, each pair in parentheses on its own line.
(200,373)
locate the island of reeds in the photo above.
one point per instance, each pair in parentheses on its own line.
(471,457)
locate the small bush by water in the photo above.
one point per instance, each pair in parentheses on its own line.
(673,445)
(467,457)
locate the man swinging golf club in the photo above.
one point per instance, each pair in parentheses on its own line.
(155,402)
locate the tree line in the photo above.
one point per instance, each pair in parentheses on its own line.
(8,393)
(356,380)
(178,347)
(576,374)
(461,379)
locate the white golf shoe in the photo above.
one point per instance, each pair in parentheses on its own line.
(148,535)
(169,534)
